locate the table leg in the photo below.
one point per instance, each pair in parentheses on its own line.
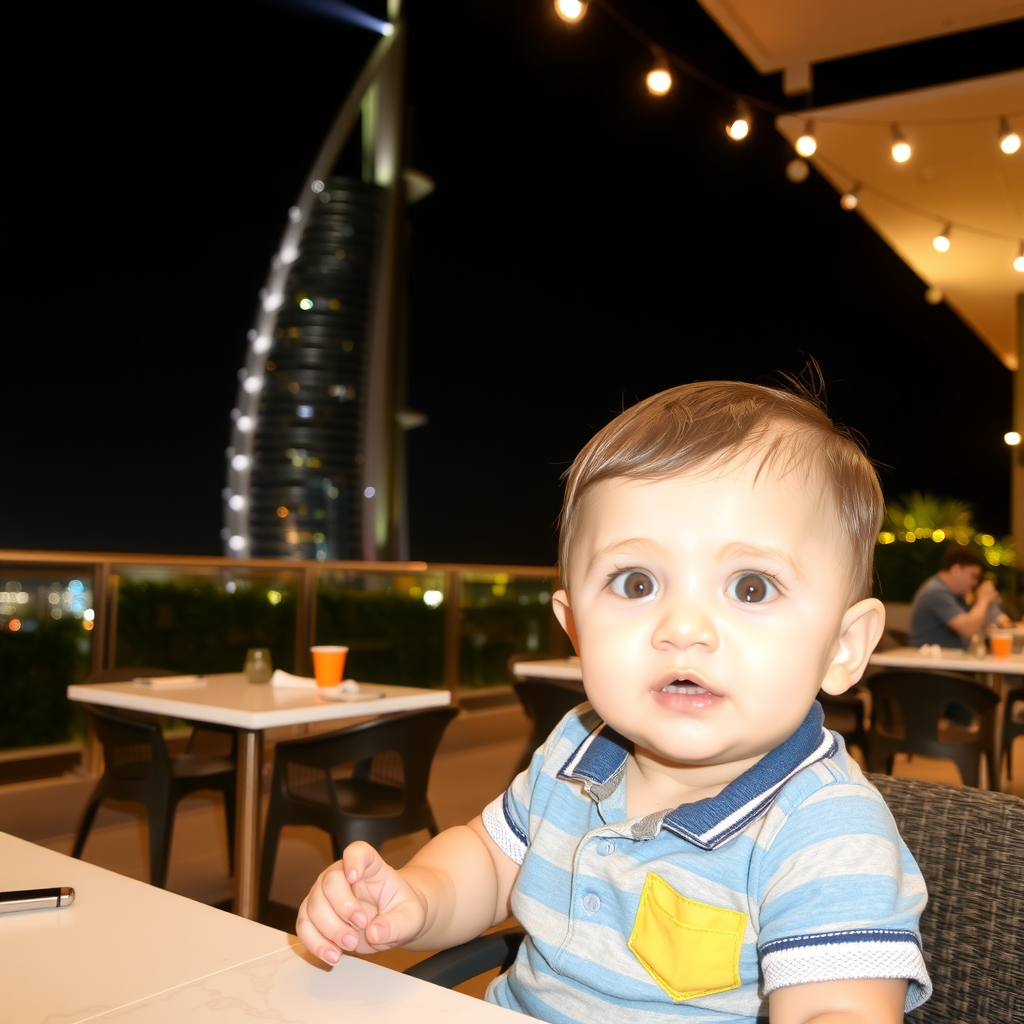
(247,822)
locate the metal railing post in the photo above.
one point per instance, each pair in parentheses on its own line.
(452,631)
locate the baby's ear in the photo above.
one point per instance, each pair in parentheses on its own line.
(859,634)
(563,612)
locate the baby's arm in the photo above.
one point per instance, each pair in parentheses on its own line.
(856,1001)
(456,887)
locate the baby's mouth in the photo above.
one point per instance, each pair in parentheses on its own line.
(683,688)
(688,686)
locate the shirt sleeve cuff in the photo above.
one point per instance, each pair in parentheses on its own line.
(504,830)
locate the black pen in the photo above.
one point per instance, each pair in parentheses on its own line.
(36,899)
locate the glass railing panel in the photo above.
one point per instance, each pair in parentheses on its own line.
(46,623)
(203,619)
(392,623)
(505,614)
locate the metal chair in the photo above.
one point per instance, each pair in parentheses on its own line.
(912,712)
(967,843)
(1012,727)
(845,713)
(384,797)
(546,702)
(137,767)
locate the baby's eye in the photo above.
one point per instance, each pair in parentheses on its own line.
(752,588)
(634,583)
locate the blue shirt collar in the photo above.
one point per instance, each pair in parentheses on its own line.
(712,821)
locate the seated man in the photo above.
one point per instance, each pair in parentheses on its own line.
(940,613)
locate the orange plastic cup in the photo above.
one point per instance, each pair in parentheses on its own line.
(1002,644)
(328,664)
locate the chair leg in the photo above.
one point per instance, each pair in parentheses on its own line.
(88,817)
(161,832)
(271,837)
(967,762)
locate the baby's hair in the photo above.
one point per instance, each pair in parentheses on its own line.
(708,424)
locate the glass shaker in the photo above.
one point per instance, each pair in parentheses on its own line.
(257,665)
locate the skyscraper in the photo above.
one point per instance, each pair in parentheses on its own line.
(314,467)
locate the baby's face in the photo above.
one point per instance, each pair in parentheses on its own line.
(707,609)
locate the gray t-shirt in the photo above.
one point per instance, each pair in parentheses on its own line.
(934,605)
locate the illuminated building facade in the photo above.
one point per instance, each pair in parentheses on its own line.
(315,466)
(306,491)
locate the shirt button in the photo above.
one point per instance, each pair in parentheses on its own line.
(591,903)
(605,847)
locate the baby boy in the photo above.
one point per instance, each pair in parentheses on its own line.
(692,842)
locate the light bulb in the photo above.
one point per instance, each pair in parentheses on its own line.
(1012,437)
(570,11)
(659,81)
(738,128)
(941,241)
(1018,263)
(807,143)
(797,170)
(900,146)
(1009,140)
(848,200)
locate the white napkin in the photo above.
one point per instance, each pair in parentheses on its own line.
(288,681)
(170,682)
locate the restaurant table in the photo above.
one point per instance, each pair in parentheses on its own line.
(565,670)
(230,699)
(131,952)
(948,659)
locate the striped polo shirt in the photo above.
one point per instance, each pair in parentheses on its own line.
(794,873)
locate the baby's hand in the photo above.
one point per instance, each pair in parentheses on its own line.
(359,905)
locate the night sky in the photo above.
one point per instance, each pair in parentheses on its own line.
(586,246)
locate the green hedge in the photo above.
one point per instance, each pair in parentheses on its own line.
(36,667)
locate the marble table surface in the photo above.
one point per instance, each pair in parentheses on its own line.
(127,951)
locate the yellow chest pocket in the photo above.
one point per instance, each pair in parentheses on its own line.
(689,948)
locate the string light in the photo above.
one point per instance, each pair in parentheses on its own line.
(739,127)
(797,170)
(1009,140)
(659,78)
(807,143)
(900,146)
(659,81)
(571,11)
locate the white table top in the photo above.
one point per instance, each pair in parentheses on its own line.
(230,699)
(291,986)
(554,668)
(949,660)
(120,941)
(130,952)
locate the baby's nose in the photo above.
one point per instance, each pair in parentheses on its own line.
(684,621)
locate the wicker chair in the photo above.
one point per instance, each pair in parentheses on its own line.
(968,843)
